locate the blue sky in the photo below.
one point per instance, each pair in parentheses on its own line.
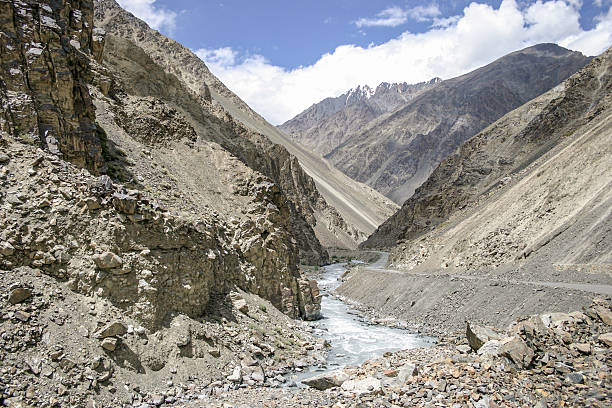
(281,56)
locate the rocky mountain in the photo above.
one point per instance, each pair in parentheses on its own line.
(396,152)
(331,122)
(515,222)
(137,218)
(341,211)
(533,188)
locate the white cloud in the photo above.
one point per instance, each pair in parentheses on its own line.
(458,45)
(395,16)
(157,18)
(220,57)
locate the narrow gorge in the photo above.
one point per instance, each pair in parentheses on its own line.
(446,242)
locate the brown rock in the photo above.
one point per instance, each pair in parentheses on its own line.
(479,335)
(111,330)
(584,348)
(23,316)
(19,295)
(107,260)
(604,314)
(516,350)
(606,339)
(6,249)
(391,373)
(124,203)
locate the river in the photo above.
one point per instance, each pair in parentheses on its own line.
(352,339)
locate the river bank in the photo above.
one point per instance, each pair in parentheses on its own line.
(439,303)
(544,360)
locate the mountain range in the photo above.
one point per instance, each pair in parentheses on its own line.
(331,122)
(394,151)
(160,242)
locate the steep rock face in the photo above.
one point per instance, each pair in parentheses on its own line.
(397,151)
(249,145)
(492,157)
(45,50)
(331,122)
(531,191)
(339,218)
(181,222)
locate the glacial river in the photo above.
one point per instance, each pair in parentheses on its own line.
(352,339)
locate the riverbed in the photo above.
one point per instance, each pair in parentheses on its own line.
(353,339)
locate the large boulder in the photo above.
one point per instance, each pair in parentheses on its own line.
(606,339)
(326,380)
(18,295)
(238,302)
(517,350)
(477,336)
(490,350)
(111,330)
(107,260)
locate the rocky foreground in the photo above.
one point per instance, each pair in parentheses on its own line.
(558,359)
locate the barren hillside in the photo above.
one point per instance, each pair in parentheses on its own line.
(397,151)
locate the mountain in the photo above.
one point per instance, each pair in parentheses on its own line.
(396,151)
(533,187)
(515,221)
(341,211)
(329,123)
(143,229)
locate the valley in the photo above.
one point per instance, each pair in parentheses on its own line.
(442,243)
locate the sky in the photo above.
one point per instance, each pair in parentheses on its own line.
(283,56)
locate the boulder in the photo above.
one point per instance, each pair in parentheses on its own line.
(6,249)
(604,314)
(109,343)
(407,371)
(111,330)
(258,375)
(490,350)
(530,327)
(236,375)
(464,349)
(18,295)
(479,335)
(364,387)
(124,203)
(238,302)
(101,186)
(606,339)
(107,260)
(584,348)
(516,350)
(326,380)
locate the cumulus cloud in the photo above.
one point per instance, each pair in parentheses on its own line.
(225,56)
(451,47)
(157,18)
(395,16)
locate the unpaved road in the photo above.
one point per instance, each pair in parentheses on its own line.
(439,303)
(381,266)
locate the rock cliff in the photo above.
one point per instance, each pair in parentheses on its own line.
(46,51)
(250,138)
(156,237)
(142,229)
